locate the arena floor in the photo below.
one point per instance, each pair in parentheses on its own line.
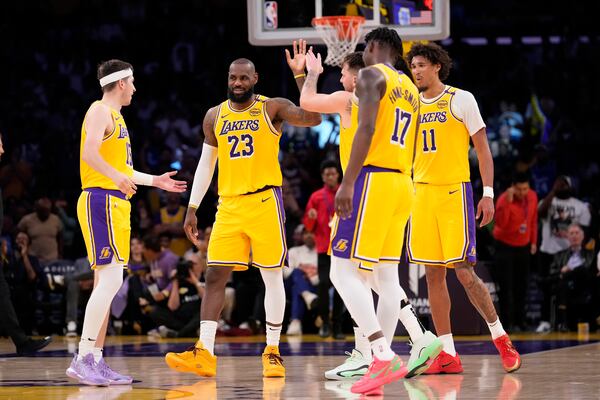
(555,366)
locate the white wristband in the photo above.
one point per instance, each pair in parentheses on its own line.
(488,191)
(140,178)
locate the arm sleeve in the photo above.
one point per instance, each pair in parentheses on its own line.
(464,106)
(140,178)
(203,175)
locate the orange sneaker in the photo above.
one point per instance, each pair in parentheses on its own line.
(444,363)
(196,360)
(272,363)
(511,360)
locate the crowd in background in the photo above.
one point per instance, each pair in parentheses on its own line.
(536,101)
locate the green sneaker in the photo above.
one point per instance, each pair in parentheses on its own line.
(425,349)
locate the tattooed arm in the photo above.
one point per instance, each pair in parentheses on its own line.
(280,110)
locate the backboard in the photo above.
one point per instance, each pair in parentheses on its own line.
(278,23)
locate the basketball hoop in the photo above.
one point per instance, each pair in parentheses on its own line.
(340,34)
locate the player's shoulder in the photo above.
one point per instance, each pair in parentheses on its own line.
(461,95)
(98,108)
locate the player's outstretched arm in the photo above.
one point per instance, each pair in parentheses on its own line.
(485,208)
(370,87)
(202,177)
(310,100)
(280,110)
(97,122)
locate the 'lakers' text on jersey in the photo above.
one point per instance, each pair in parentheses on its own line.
(446,123)
(248,147)
(383,191)
(115,150)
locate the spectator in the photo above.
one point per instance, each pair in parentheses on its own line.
(572,273)
(301,278)
(318,215)
(9,324)
(162,262)
(45,230)
(80,279)
(70,224)
(557,211)
(181,315)
(21,273)
(515,232)
(170,220)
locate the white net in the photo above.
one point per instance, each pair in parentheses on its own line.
(340,34)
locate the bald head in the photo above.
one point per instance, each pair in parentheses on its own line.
(243,61)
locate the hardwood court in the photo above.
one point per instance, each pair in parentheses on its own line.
(554,367)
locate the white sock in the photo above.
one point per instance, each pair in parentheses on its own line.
(381,349)
(387,284)
(496,329)
(97,351)
(308,297)
(86,346)
(208,331)
(448,344)
(274,303)
(361,343)
(411,323)
(273,335)
(109,280)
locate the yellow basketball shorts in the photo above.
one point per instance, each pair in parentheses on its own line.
(104,218)
(249,223)
(382,203)
(441,230)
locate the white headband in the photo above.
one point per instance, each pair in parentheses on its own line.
(115,76)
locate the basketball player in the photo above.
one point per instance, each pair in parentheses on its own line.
(384,281)
(441,231)
(243,133)
(375,198)
(108,181)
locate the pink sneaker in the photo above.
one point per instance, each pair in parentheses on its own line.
(380,373)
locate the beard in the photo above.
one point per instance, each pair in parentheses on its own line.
(240,98)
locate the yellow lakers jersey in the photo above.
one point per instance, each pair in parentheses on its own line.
(394,137)
(248,148)
(442,143)
(115,150)
(347,134)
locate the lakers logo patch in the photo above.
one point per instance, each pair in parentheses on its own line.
(442,104)
(341,245)
(105,253)
(473,251)
(255,112)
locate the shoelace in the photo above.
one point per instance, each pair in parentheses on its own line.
(275,359)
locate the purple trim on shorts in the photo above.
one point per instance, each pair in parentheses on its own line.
(281,211)
(471,247)
(97,214)
(97,190)
(373,168)
(343,240)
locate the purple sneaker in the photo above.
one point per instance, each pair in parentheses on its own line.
(114,377)
(85,371)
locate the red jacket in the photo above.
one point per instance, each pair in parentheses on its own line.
(323,200)
(516,222)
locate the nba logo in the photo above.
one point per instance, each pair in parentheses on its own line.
(270,21)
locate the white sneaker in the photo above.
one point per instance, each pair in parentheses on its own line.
(355,366)
(71,329)
(543,327)
(423,350)
(294,328)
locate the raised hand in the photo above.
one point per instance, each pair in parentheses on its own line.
(165,182)
(313,63)
(297,62)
